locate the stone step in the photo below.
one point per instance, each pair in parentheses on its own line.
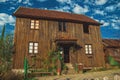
(69,66)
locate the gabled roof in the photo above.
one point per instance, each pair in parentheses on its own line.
(111,42)
(54,15)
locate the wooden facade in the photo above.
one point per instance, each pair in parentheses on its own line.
(48,36)
(112,48)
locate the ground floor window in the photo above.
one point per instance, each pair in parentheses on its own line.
(88,49)
(33,47)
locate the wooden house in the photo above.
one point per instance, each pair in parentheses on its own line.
(39,31)
(111,48)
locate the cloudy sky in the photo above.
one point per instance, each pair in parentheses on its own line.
(104,11)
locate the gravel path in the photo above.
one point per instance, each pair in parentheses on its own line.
(102,75)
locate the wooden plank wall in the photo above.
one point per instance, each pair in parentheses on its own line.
(46,35)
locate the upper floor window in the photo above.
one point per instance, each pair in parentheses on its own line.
(34,24)
(33,47)
(62,26)
(88,49)
(86,28)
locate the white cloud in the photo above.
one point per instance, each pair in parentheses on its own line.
(110,8)
(62,8)
(64,1)
(11,8)
(78,9)
(24,2)
(100,2)
(41,0)
(27,2)
(118,5)
(104,23)
(6,19)
(99,12)
(115,26)
(19,1)
(3,0)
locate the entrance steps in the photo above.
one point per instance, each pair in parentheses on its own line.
(69,66)
(71,69)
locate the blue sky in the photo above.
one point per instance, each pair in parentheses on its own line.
(104,11)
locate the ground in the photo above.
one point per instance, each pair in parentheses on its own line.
(97,75)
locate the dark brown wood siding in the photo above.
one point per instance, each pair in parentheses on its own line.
(46,36)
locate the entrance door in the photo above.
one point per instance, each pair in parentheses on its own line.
(66,54)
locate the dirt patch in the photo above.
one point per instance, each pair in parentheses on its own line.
(110,74)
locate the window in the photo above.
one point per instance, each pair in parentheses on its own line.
(34,24)
(33,47)
(86,28)
(62,26)
(88,49)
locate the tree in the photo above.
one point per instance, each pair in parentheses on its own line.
(6,45)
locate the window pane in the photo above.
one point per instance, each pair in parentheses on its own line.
(32,27)
(35,51)
(86,49)
(37,21)
(30,47)
(86,28)
(37,24)
(30,44)
(89,46)
(86,46)
(32,24)
(60,26)
(90,49)
(35,44)
(32,21)
(35,47)
(36,27)
(64,26)
(90,52)
(30,51)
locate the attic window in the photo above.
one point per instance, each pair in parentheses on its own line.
(62,26)
(86,28)
(34,24)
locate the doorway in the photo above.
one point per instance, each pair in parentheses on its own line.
(66,54)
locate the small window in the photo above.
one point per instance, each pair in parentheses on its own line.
(33,47)
(88,49)
(62,26)
(34,24)
(86,28)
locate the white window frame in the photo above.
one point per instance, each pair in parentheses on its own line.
(33,47)
(34,24)
(88,49)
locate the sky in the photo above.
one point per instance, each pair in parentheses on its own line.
(106,12)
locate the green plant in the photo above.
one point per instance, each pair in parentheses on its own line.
(6,45)
(76,67)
